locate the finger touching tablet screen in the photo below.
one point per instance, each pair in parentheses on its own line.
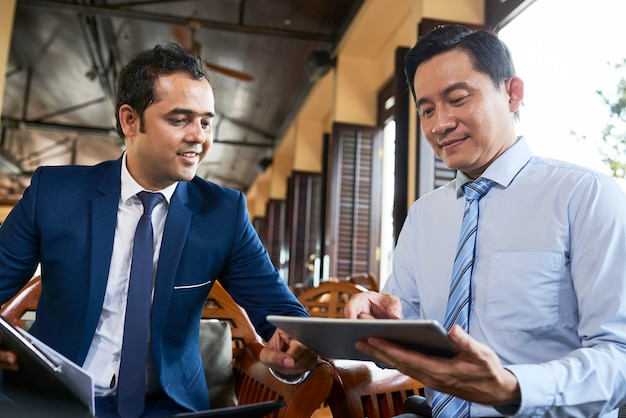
(335,338)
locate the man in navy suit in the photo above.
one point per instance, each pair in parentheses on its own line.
(78,224)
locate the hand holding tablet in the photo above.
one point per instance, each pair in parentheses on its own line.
(335,338)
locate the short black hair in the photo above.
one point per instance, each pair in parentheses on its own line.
(488,53)
(136,81)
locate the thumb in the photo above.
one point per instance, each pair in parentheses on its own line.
(459,337)
(288,361)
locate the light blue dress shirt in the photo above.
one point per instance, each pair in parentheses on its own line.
(549,281)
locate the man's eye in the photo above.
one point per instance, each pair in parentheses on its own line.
(458,100)
(206,124)
(179,122)
(424,113)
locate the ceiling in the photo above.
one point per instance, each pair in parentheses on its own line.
(65,56)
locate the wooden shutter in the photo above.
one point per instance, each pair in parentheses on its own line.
(275,230)
(443,174)
(304,228)
(259,226)
(354,209)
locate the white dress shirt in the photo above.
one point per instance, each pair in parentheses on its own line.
(103,358)
(549,281)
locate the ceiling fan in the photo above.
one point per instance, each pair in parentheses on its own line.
(185,36)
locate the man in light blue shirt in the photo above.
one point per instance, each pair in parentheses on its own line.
(547,317)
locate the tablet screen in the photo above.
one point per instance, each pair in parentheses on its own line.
(336,337)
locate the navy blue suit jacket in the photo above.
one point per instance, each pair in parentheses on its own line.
(66,221)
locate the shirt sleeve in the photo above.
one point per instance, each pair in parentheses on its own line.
(400,282)
(253,281)
(589,381)
(19,243)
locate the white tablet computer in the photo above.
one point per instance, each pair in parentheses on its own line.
(335,338)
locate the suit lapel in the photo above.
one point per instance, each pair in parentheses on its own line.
(103,220)
(175,235)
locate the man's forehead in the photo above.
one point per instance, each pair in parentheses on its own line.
(445,72)
(165,80)
(166,84)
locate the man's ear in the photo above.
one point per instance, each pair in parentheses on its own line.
(515,89)
(129,120)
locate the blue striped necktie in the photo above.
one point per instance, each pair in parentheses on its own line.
(131,386)
(457,312)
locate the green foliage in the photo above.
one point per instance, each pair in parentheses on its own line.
(613,147)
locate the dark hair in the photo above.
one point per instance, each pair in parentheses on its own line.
(136,81)
(488,54)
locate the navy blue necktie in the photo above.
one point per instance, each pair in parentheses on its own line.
(457,312)
(131,386)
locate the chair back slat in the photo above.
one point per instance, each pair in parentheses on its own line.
(329,298)
(362,389)
(367,280)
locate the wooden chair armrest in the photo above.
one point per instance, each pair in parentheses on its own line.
(362,389)
(23,304)
(255,383)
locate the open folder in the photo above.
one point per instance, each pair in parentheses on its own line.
(48,384)
(46,380)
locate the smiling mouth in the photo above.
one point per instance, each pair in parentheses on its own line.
(189,157)
(189,154)
(451,143)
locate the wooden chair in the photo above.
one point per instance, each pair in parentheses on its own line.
(253,381)
(329,298)
(367,280)
(297,289)
(20,309)
(362,389)
(221,306)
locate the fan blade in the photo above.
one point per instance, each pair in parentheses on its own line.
(229,72)
(185,37)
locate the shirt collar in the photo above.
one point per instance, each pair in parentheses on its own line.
(130,187)
(504,169)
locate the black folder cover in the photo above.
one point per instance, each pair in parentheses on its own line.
(44,378)
(253,410)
